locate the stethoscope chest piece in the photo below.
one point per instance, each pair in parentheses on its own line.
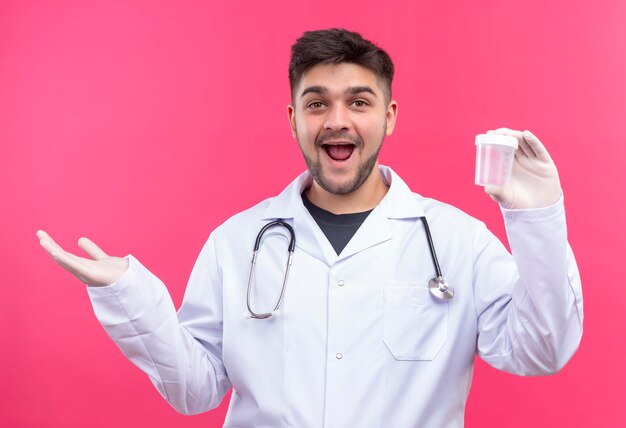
(440,289)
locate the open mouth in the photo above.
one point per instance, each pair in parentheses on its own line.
(339,152)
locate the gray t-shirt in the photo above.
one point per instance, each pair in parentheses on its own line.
(338,228)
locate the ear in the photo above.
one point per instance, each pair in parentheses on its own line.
(392,114)
(291,115)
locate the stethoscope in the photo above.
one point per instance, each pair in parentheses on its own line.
(437,286)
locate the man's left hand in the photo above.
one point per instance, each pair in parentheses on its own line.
(534,178)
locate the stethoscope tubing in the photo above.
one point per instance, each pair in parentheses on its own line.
(257,244)
(437,286)
(433,253)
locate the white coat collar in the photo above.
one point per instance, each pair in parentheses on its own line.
(399,202)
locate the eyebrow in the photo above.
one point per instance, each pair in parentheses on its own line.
(352,90)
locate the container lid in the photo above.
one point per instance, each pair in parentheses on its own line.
(498,140)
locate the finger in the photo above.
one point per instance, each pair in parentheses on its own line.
(48,243)
(503,129)
(504,196)
(57,252)
(68,261)
(509,131)
(536,146)
(523,149)
(89,247)
(520,157)
(71,263)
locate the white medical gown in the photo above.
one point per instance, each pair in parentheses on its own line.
(359,341)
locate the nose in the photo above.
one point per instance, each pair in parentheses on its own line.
(337,118)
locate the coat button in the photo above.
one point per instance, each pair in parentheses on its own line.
(339,356)
(340,283)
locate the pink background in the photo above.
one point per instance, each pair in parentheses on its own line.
(145,125)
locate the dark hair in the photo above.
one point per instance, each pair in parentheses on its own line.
(335,46)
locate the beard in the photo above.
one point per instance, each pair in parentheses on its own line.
(364,169)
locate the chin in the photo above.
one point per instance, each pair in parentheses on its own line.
(339,186)
(341,183)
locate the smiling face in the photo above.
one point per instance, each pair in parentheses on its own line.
(340,118)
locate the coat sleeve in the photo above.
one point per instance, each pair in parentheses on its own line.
(182,358)
(530,307)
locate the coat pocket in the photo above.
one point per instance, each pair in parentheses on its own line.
(415,325)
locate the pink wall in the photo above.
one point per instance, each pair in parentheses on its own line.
(145,126)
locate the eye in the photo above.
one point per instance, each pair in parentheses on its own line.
(360,103)
(315,105)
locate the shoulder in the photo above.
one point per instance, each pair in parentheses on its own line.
(439,210)
(237,234)
(402,202)
(244,219)
(451,223)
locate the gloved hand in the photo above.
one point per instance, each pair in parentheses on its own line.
(534,178)
(102,270)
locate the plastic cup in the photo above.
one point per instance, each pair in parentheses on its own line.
(494,159)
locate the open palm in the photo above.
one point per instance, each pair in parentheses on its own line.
(101,269)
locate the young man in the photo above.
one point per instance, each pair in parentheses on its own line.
(358,340)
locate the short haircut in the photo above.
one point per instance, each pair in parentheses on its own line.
(336,46)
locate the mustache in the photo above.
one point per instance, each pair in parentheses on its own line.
(338,135)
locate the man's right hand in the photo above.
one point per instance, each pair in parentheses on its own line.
(100,270)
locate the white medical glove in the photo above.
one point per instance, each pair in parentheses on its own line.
(102,270)
(534,178)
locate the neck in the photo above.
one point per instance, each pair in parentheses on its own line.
(365,198)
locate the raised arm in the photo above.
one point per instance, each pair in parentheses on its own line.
(529,318)
(137,312)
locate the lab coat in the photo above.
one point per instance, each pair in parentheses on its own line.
(359,341)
